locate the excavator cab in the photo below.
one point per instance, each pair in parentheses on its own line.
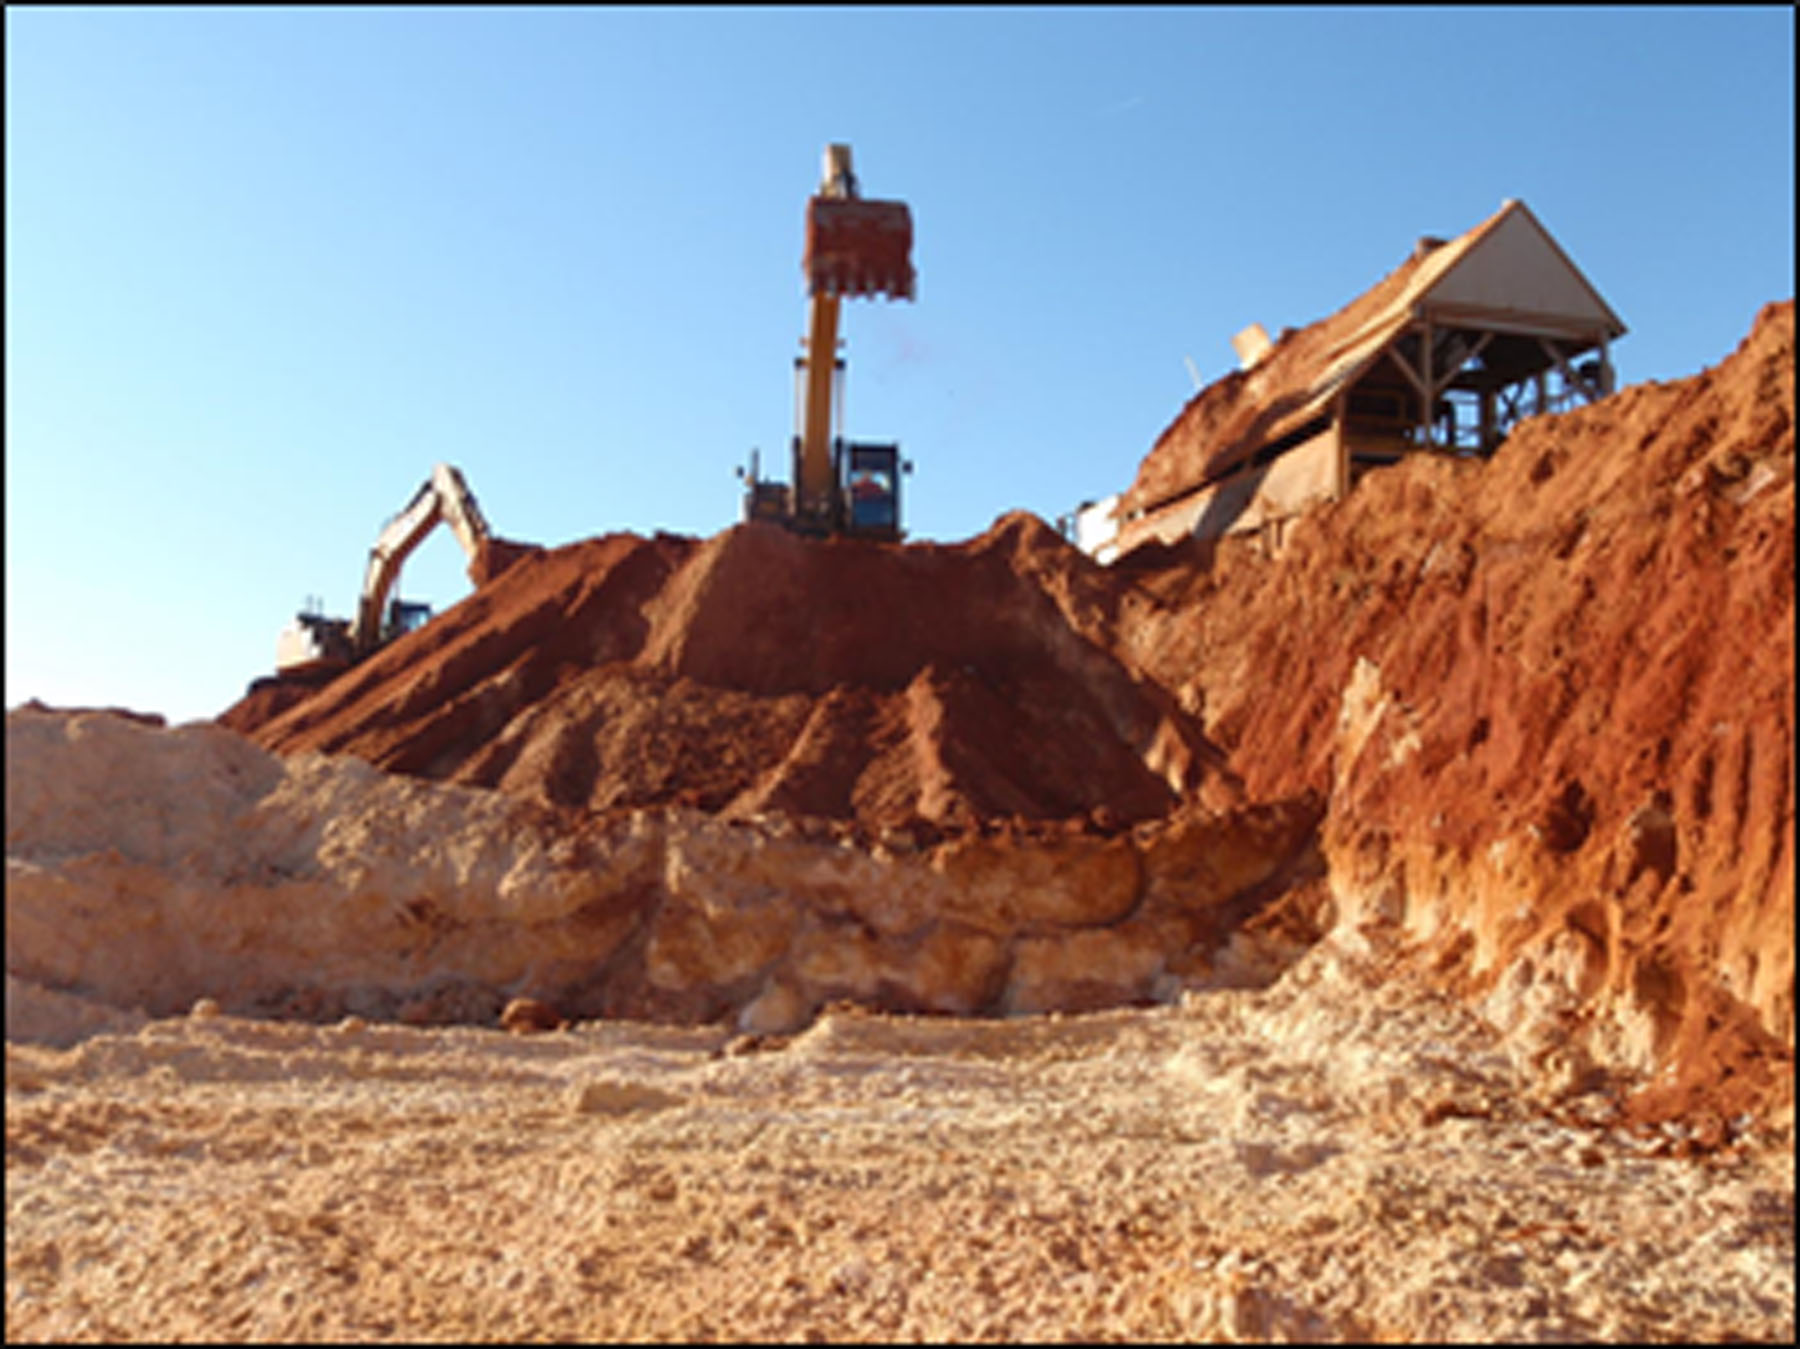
(871,489)
(404,616)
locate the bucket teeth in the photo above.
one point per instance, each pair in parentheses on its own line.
(829,280)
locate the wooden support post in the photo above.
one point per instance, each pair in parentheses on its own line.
(1556,360)
(1427,388)
(1400,363)
(1487,419)
(1457,365)
(1439,385)
(1597,390)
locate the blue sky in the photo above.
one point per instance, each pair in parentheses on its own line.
(265,266)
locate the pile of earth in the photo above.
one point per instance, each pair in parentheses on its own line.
(681,780)
(927,686)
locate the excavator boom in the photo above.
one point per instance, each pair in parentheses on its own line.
(443,497)
(854,247)
(314,645)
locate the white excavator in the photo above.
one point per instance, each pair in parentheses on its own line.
(313,645)
(854,246)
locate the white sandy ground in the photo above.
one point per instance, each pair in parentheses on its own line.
(1342,1155)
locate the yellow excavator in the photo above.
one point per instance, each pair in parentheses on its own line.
(315,645)
(854,246)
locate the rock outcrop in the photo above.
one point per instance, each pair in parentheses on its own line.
(150,867)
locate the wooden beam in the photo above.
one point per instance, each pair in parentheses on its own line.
(1569,376)
(1456,366)
(1405,368)
(1526,323)
(1428,399)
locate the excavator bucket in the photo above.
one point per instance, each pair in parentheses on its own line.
(858,247)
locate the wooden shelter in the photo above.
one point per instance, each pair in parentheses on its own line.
(1444,355)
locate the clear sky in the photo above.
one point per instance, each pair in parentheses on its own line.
(265,266)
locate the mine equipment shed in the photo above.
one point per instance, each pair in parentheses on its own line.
(1451,349)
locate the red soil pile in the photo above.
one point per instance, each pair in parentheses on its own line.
(761,671)
(266,699)
(496,555)
(271,695)
(1587,651)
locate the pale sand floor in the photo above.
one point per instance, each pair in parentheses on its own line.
(1324,1159)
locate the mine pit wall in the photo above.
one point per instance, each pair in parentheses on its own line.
(148,868)
(1549,701)
(1595,957)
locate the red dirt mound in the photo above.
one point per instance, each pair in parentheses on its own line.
(762,671)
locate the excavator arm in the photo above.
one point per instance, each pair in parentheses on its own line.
(854,246)
(314,647)
(443,498)
(815,476)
